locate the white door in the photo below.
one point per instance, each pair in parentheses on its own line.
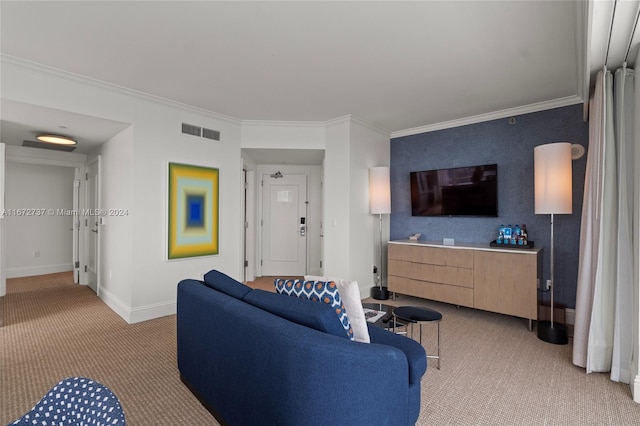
(75,230)
(284,215)
(3,282)
(245,225)
(92,224)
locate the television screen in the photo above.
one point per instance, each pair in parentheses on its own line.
(460,191)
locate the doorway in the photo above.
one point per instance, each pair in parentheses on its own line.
(284,224)
(48,206)
(258,162)
(92,224)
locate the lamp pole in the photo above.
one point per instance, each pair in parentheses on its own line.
(380,292)
(380,202)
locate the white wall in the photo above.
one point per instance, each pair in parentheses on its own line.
(370,147)
(158,141)
(116,235)
(138,281)
(3,250)
(283,135)
(146,285)
(352,148)
(40,243)
(337,200)
(635,364)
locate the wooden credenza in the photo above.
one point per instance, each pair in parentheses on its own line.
(492,279)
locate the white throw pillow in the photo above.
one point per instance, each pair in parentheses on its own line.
(350,294)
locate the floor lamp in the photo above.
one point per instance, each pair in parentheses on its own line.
(552,187)
(380,203)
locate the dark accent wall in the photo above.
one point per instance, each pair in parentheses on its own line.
(511,147)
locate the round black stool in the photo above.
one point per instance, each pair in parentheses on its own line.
(416,315)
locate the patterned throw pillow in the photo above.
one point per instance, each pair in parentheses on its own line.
(323,291)
(350,294)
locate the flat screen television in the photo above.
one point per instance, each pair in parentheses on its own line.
(459,191)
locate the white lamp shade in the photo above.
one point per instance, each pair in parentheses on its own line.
(379,190)
(552,184)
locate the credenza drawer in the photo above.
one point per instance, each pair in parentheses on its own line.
(431,255)
(435,273)
(435,291)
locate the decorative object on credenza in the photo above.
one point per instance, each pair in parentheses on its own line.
(516,237)
(380,203)
(193,211)
(553,195)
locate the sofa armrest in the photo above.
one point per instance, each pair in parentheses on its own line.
(415,353)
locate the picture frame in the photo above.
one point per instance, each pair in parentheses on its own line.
(193,211)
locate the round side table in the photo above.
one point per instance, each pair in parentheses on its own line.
(417,315)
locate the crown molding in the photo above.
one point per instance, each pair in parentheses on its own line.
(371,126)
(338,120)
(276,123)
(77,78)
(350,118)
(525,109)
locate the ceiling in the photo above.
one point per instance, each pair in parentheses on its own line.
(23,122)
(396,65)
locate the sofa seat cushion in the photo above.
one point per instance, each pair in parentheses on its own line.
(318,316)
(415,353)
(225,284)
(322,291)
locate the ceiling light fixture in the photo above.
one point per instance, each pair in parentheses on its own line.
(56,139)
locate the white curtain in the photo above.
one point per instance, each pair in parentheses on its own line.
(624,116)
(604,304)
(590,224)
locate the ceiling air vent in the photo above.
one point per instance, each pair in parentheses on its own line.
(210,134)
(190,129)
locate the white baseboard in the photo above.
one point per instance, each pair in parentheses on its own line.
(115,304)
(38,270)
(570,316)
(149,312)
(635,389)
(315,271)
(143,313)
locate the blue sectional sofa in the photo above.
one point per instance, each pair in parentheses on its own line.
(254,357)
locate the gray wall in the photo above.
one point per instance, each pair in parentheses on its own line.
(511,147)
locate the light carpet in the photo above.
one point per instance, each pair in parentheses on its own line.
(493,370)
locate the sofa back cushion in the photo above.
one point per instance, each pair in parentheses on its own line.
(225,284)
(318,316)
(317,291)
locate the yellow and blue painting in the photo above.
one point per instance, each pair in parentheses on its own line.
(193,211)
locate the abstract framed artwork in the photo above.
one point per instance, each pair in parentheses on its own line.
(193,211)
